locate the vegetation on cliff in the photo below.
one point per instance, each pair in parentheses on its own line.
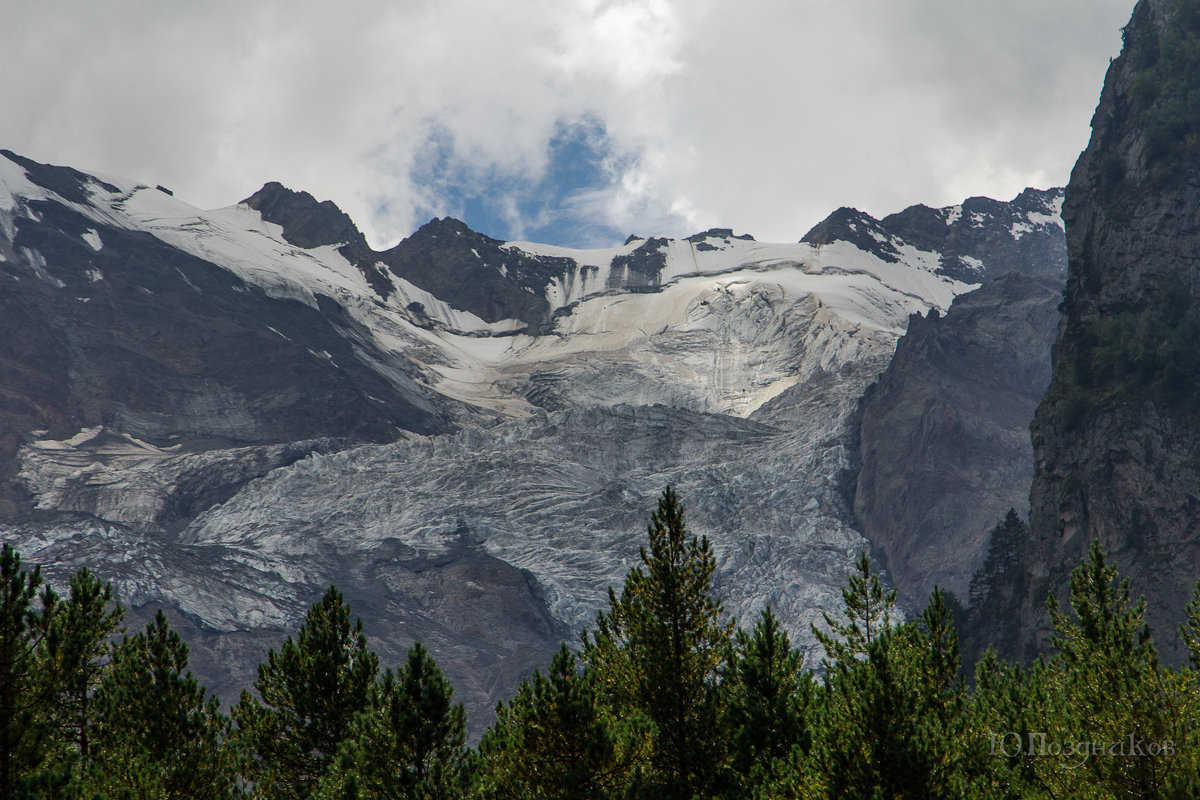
(1151,353)
(1166,74)
(1142,341)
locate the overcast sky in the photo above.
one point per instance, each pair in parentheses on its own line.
(567,121)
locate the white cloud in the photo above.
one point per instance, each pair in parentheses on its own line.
(760,115)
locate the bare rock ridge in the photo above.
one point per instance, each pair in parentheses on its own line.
(308,223)
(1116,436)
(449,260)
(224,411)
(444,257)
(979,231)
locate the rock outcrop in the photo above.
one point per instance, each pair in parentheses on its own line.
(1116,437)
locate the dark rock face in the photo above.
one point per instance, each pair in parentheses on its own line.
(163,340)
(468,270)
(984,230)
(485,619)
(944,436)
(307,223)
(641,269)
(69,184)
(1116,435)
(475,273)
(981,231)
(700,240)
(719,233)
(854,226)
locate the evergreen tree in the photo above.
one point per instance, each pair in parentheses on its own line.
(25,699)
(864,726)
(1189,629)
(1006,543)
(868,612)
(74,653)
(1005,710)
(555,741)
(658,650)
(941,696)
(996,590)
(1111,687)
(768,693)
(411,743)
(308,695)
(891,723)
(157,728)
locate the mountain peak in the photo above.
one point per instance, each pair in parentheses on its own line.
(857,227)
(305,221)
(836,224)
(474,272)
(449,226)
(717,233)
(68,183)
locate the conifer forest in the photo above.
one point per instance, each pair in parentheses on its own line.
(664,697)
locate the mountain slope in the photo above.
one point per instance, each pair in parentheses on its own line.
(224,411)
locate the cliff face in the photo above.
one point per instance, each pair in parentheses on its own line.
(944,437)
(1116,436)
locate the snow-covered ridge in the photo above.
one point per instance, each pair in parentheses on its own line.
(702,291)
(685,258)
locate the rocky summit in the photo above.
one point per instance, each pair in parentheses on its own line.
(225,411)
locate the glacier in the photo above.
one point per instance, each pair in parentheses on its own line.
(728,368)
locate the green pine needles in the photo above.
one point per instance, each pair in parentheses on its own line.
(659,646)
(308,694)
(666,698)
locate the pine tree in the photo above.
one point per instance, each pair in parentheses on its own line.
(411,743)
(940,651)
(868,612)
(941,696)
(1110,684)
(891,720)
(659,647)
(1004,710)
(555,741)
(308,695)
(864,720)
(25,696)
(768,693)
(997,589)
(74,653)
(157,727)
(1006,544)
(1189,629)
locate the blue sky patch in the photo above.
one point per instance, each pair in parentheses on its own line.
(551,209)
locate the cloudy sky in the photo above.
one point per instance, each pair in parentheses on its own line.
(574,122)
